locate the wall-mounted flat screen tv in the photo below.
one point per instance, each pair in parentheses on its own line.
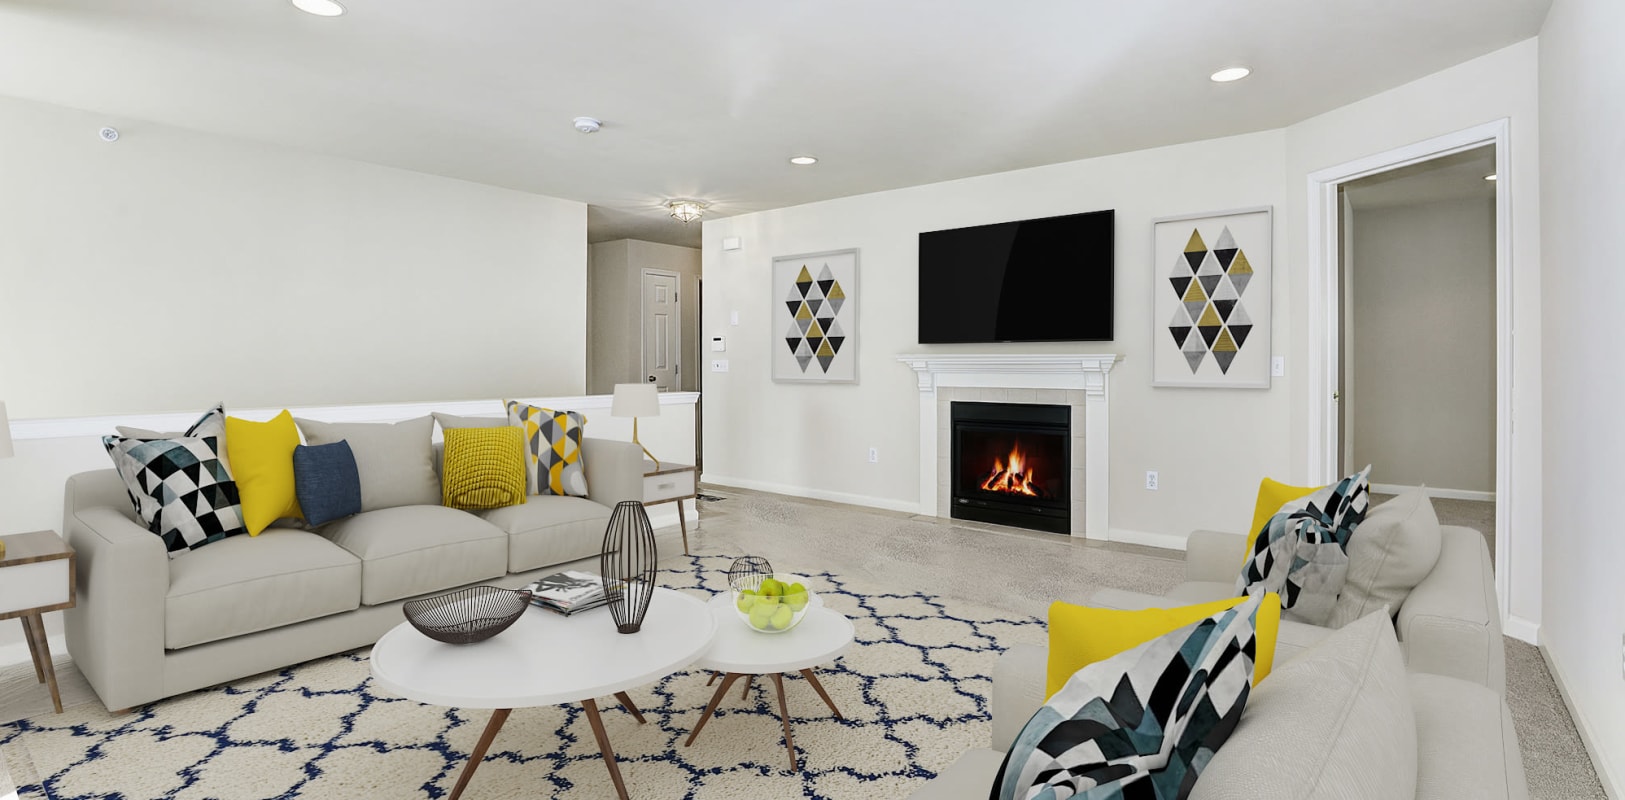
(1036,280)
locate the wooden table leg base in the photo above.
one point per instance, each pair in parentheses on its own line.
(784,715)
(626,702)
(819,688)
(603,746)
(716,698)
(498,717)
(42,657)
(28,636)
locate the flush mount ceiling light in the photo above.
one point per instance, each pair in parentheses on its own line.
(802,161)
(587,124)
(1230,74)
(686,210)
(321,8)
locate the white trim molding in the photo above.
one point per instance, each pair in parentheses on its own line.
(1086,372)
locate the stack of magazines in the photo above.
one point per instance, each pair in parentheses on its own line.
(568,592)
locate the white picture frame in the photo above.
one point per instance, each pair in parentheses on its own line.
(815,316)
(1211,299)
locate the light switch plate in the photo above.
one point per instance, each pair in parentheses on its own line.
(733,317)
(1278,367)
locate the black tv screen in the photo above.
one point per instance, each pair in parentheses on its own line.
(1036,280)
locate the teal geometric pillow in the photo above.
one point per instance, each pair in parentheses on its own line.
(1141,724)
(1302,553)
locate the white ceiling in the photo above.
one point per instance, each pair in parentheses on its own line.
(708,99)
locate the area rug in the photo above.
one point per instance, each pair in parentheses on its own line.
(914,689)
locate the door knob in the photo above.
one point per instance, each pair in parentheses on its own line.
(651,379)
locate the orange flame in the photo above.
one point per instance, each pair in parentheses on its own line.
(1015,479)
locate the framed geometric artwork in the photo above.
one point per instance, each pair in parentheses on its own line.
(815,317)
(1211,300)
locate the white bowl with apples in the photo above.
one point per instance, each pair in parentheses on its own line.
(776,605)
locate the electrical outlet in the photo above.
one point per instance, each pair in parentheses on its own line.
(1151,479)
(874,455)
(719,365)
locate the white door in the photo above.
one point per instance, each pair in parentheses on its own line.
(660,316)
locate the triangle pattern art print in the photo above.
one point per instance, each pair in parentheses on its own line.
(816,316)
(1212,300)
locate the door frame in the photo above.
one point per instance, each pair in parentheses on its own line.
(1325,255)
(677,330)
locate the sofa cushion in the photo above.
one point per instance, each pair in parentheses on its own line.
(1465,732)
(1273,497)
(1303,554)
(395,461)
(449,421)
(262,463)
(1396,548)
(242,585)
(413,550)
(556,464)
(965,779)
(327,482)
(1291,639)
(1145,721)
(483,468)
(550,530)
(1336,722)
(180,488)
(212,423)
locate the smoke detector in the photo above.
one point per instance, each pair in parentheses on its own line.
(587,124)
(108,134)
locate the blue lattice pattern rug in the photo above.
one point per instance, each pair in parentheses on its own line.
(914,690)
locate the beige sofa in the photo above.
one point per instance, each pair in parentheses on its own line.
(148,627)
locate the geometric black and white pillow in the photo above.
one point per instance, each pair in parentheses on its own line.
(1302,553)
(181,488)
(1143,723)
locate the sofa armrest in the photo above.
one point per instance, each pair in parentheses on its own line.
(1451,624)
(1211,556)
(614,470)
(115,631)
(1018,691)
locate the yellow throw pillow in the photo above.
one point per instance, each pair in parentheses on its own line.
(1272,494)
(1080,635)
(261,456)
(484,468)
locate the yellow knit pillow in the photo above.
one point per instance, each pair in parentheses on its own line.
(484,468)
(1080,635)
(261,456)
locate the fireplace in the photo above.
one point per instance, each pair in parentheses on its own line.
(1012,464)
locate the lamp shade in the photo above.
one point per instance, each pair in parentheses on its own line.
(635,400)
(5,433)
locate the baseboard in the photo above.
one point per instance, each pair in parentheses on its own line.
(814,494)
(17,652)
(1448,494)
(1166,541)
(1523,630)
(1612,785)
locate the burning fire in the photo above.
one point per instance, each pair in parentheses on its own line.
(1014,479)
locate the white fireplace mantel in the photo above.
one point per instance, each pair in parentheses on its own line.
(1070,371)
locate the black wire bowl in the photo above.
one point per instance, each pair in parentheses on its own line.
(467,615)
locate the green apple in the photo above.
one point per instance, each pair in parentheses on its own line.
(781,617)
(796,596)
(762,616)
(771,588)
(746,599)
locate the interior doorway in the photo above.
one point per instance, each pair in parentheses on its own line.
(662,364)
(1331,447)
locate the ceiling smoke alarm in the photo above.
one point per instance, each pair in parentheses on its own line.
(587,124)
(108,134)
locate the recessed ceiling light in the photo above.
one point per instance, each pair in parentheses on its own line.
(321,8)
(803,160)
(1490,177)
(1231,74)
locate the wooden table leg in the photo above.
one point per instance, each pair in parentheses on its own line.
(819,688)
(498,717)
(727,680)
(749,679)
(627,703)
(784,714)
(28,636)
(42,658)
(682,522)
(603,745)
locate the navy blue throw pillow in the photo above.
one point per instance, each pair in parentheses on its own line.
(326,481)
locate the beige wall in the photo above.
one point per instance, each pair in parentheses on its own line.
(1422,281)
(1582,89)
(615,346)
(172,269)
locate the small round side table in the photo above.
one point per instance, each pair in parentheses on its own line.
(739,652)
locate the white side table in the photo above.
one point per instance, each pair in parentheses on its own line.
(667,483)
(546,659)
(37,575)
(738,651)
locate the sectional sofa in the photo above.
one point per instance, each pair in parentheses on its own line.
(148,627)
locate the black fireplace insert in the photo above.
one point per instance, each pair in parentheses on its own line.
(1012,465)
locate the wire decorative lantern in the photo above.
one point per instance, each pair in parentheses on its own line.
(627,564)
(748,572)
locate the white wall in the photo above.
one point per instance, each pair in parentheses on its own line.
(1582,86)
(1423,330)
(615,297)
(171,269)
(1210,446)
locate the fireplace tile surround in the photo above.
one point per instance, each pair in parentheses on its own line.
(1078,381)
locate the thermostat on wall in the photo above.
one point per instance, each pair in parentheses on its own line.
(717,344)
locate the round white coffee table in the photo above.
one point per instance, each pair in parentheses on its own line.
(739,652)
(546,659)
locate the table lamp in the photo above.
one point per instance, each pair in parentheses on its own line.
(637,400)
(5,451)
